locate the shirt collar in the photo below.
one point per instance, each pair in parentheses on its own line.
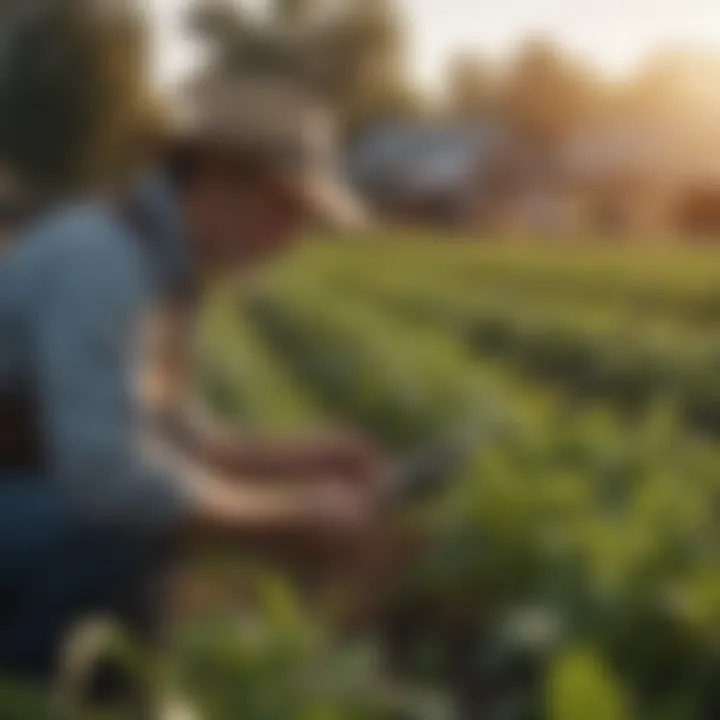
(154,211)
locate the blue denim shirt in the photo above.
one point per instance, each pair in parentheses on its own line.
(73,293)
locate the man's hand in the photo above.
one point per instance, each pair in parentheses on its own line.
(351,456)
(324,513)
(345,456)
(334,508)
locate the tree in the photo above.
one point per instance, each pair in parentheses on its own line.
(547,94)
(675,83)
(470,87)
(294,12)
(240,43)
(354,57)
(72,89)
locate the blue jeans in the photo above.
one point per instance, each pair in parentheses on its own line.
(55,571)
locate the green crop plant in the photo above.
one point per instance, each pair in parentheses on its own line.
(580,550)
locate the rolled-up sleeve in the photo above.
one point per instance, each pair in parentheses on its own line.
(85,335)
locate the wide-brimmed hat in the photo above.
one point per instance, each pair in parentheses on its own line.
(279,125)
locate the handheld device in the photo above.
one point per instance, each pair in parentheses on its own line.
(428,471)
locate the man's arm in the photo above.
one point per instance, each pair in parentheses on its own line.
(343,455)
(84,334)
(187,424)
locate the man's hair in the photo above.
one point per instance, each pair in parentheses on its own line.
(181,165)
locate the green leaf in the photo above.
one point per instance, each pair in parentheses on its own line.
(581,686)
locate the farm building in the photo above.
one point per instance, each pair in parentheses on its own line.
(629,176)
(456,175)
(641,177)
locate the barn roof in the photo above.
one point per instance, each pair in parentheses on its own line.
(406,158)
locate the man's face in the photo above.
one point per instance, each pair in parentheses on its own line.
(240,216)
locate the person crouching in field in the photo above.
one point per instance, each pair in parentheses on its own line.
(90,510)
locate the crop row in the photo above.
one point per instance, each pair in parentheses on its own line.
(366,371)
(589,354)
(673,283)
(569,531)
(238,376)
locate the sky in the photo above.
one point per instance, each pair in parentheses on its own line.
(615,34)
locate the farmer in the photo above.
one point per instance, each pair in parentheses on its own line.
(90,510)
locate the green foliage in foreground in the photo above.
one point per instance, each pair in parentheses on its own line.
(269,659)
(278,665)
(25,703)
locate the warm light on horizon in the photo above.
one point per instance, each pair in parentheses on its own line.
(615,35)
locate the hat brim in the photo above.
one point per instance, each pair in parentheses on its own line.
(324,195)
(331,202)
(334,204)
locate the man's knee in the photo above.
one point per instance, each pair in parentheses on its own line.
(88,574)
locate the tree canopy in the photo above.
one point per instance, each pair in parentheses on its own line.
(354,54)
(72,89)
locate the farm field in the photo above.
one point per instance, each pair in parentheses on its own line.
(573,571)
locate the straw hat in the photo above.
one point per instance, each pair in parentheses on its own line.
(278,124)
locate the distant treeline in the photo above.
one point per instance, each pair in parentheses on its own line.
(75,89)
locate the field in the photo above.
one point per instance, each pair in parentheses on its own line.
(572,573)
